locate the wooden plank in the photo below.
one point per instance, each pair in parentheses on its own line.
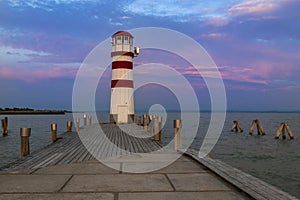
(254,187)
(70,149)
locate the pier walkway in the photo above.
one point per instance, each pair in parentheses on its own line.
(66,170)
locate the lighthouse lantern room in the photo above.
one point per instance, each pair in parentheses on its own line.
(122,101)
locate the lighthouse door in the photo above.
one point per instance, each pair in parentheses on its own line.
(122,114)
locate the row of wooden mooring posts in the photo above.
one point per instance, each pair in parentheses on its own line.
(26,132)
(260,131)
(153,124)
(4,123)
(85,119)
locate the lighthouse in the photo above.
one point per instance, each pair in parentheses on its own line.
(122,101)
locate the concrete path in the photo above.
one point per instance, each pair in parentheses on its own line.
(184,179)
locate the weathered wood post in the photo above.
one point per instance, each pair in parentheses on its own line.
(234,127)
(77,124)
(139,120)
(145,122)
(90,120)
(177,134)
(260,129)
(159,119)
(240,127)
(135,119)
(155,129)
(237,126)
(150,123)
(252,127)
(69,126)
(25,146)
(283,133)
(4,123)
(54,132)
(279,131)
(84,119)
(289,130)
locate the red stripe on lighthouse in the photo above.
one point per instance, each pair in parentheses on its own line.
(121,83)
(122,65)
(122,53)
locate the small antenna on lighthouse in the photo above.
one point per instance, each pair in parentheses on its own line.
(136,51)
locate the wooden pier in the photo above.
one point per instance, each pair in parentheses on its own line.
(66,170)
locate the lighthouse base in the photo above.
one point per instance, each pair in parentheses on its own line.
(113,119)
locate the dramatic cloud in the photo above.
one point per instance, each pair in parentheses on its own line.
(10,56)
(256,7)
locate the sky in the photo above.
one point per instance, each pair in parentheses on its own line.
(254,43)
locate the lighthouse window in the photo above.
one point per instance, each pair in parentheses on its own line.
(119,40)
(126,40)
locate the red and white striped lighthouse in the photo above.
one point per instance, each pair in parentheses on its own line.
(122,101)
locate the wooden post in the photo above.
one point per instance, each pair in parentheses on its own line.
(77,124)
(283,133)
(239,127)
(6,121)
(155,129)
(289,130)
(260,129)
(84,119)
(159,119)
(4,126)
(177,134)
(252,128)
(90,120)
(135,119)
(54,132)
(25,146)
(69,126)
(279,131)
(234,127)
(139,120)
(150,124)
(145,122)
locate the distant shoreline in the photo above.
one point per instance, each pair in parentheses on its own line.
(32,112)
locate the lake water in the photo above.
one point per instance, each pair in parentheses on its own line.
(274,161)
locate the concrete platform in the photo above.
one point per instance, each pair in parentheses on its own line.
(183,179)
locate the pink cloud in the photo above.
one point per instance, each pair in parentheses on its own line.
(239,74)
(217,21)
(213,36)
(125,17)
(31,75)
(254,7)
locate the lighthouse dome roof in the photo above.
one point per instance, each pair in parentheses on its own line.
(121,33)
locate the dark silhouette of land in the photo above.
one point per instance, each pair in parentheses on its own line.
(28,111)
